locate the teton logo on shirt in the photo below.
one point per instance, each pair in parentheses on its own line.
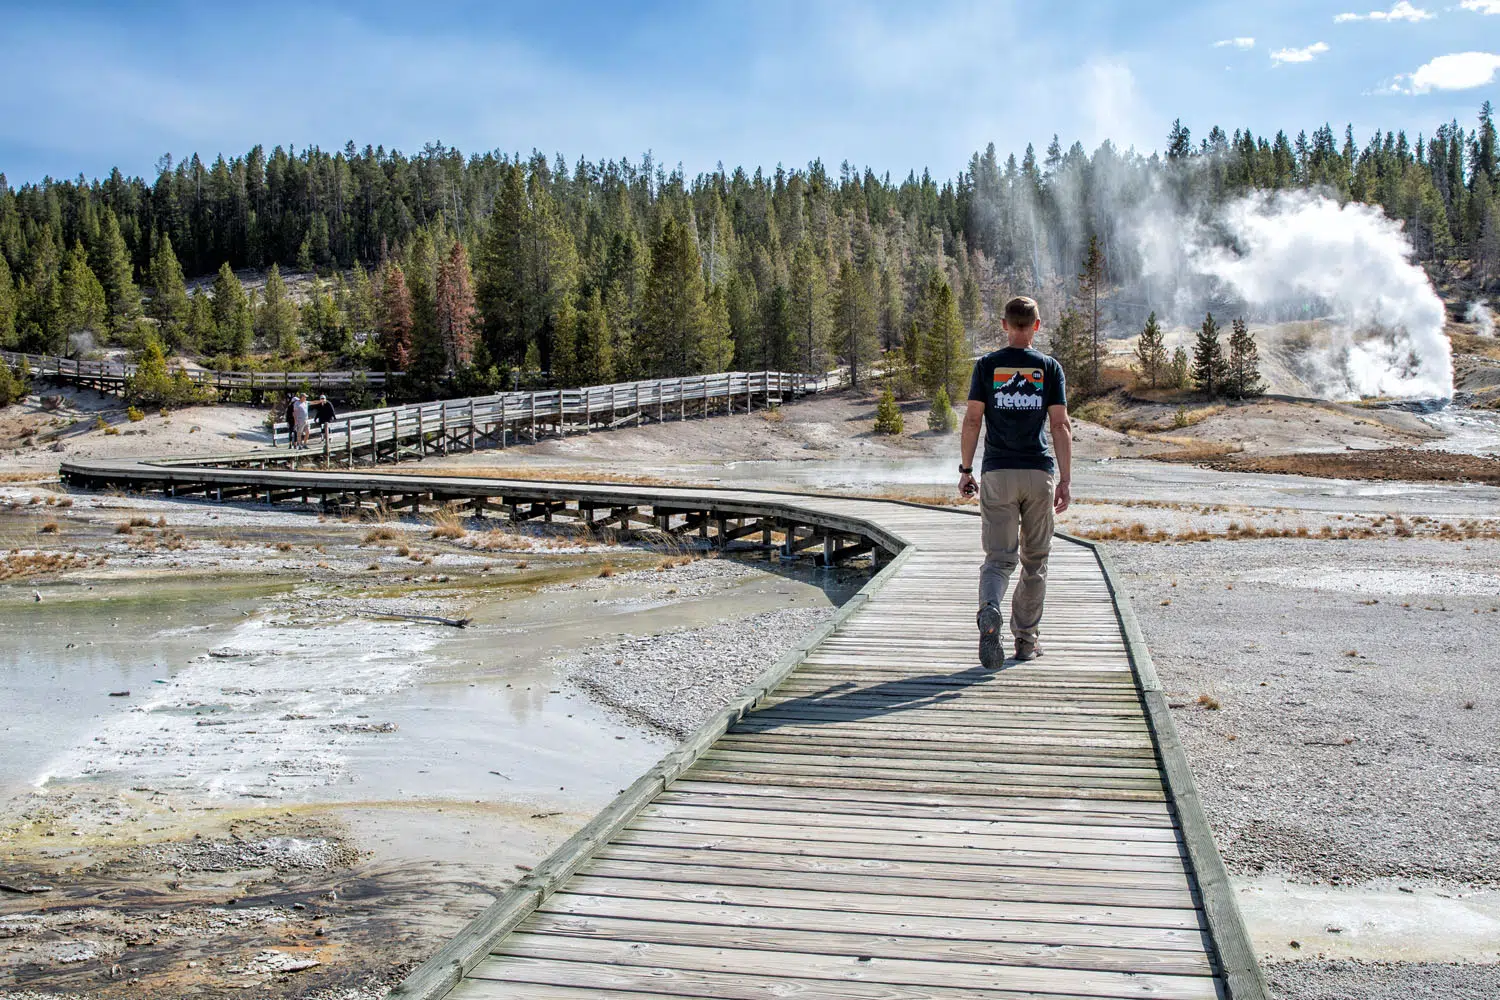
(1019,388)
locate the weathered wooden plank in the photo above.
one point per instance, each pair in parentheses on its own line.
(1036,856)
(847,895)
(741,812)
(766,930)
(539,979)
(871,968)
(708,870)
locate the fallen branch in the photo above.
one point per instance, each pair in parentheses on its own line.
(24,889)
(422,619)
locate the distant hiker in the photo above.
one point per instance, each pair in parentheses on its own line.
(1016,392)
(289,414)
(299,421)
(322,411)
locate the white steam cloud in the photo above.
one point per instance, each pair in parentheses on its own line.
(1350,315)
(1480,315)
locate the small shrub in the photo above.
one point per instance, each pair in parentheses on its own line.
(283,546)
(607,571)
(124,529)
(1208,702)
(940,418)
(50,528)
(135,416)
(382,534)
(111,431)
(888,418)
(773,415)
(1181,418)
(100,424)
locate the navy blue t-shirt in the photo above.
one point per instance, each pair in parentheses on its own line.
(1016,385)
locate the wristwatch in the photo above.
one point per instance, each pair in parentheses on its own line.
(967,470)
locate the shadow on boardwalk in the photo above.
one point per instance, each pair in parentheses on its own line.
(850,702)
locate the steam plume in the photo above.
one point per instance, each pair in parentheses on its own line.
(1354,316)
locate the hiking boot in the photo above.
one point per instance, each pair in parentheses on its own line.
(991,654)
(1027,649)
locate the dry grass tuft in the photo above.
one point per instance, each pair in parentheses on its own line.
(377,535)
(1208,703)
(283,546)
(50,528)
(22,564)
(523,564)
(124,528)
(607,570)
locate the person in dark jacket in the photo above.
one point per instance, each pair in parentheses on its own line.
(290,416)
(323,411)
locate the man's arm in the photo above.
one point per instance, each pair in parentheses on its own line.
(973,421)
(1062,446)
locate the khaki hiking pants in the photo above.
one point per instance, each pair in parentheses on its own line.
(1016,511)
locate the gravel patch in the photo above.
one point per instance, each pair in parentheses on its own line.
(673,681)
(1355,733)
(1381,981)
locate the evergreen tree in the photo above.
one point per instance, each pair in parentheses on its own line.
(13,385)
(808,290)
(428,359)
(775,331)
(1089,280)
(674,320)
(1151,352)
(1242,376)
(945,361)
(111,263)
(888,417)
(854,321)
(393,318)
(456,314)
(232,318)
(83,306)
(1179,374)
(360,307)
(201,330)
(1068,343)
(7,306)
(593,343)
(940,418)
(1208,358)
(169,301)
(40,298)
(502,273)
(323,323)
(717,351)
(277,321)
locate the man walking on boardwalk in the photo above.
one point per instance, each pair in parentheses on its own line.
(1016,393)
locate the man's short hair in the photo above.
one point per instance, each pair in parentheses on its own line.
(1021,312)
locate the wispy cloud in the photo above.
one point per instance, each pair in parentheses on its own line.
(1401,11)
(1482,6)
(1302,55)
(1244,43)
(1455,71)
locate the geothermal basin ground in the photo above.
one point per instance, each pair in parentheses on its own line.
(301,798)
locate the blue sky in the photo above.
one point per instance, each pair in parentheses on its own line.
(86,86)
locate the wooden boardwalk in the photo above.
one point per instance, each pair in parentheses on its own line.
(876,818)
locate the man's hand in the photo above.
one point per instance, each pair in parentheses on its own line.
(1062,497)
(966,485)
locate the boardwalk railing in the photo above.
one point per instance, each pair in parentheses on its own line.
(110,376)
(418,429)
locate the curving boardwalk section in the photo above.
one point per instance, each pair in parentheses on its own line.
(875,818)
